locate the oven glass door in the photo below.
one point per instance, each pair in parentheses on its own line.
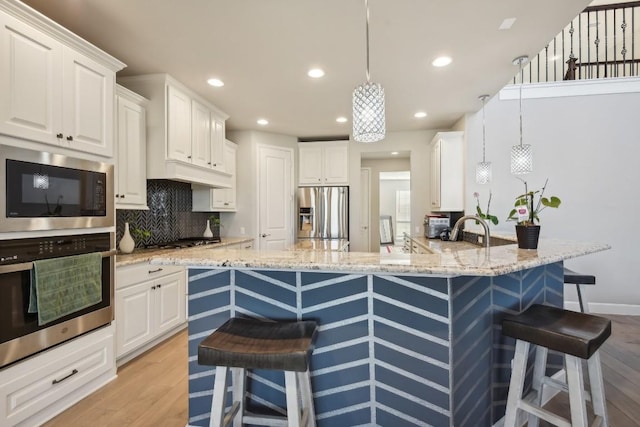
(35,190)
(20,334)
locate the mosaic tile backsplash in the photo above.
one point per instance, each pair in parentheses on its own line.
(169,216)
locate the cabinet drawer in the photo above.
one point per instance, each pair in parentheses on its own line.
(35,384)
(132,274)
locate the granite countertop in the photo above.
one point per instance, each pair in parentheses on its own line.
(140,255)
(448,259)
(320,245)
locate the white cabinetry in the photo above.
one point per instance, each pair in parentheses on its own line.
(185,133)
(323,163)
(36,389)
(206,199)
(447,172)
(150,303)
(56,89)
(131,172)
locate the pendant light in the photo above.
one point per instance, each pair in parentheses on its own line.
(522,154)
(368,104)
(483,168)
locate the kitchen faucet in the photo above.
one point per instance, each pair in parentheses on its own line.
(454,233)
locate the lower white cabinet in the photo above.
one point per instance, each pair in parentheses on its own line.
(42,386)
(150,303)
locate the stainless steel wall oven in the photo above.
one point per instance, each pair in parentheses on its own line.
(20,332)
(45,191)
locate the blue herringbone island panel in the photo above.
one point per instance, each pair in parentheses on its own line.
(392,350)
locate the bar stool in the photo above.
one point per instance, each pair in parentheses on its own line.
(578,336)
(571,277)
(241,344)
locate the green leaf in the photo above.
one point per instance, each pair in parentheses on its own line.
(493,219)
(479,211)
(512,214)
(554,202)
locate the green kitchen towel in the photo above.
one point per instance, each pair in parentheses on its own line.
(60,286)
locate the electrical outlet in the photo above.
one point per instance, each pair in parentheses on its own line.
(480,240)
(242,231)
(417,228)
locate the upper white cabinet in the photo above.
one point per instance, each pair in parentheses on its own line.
(56,89)
(218,199)
(447,172)
(131,172)
(185,133)
(323,163)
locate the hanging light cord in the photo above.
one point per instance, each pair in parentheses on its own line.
(521,84)
(366,5)
(484,98)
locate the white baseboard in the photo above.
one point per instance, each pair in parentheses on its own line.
(606,308)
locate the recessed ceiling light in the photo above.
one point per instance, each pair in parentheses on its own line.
(316,73)
(442,61)
(215,82)
(263,122)
(394,153)
(341,120)
(507,24)
(420,115)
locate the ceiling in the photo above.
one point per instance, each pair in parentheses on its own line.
(262,50)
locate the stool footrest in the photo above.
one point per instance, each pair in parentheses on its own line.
(228,418)
(544,414)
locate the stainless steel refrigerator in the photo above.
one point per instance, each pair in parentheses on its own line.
(323,213)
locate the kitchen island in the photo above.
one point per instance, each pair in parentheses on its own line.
(404,339)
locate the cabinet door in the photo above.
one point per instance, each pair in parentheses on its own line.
(30,82)
(336,163)
(134,319)
(132,177)
(200,135)
(310,163)
(179,125)
(435,175)
(169,302)
(87,109)
(218,160)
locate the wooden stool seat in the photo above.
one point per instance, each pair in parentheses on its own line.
(577,335)
(561,330)
(253,344)
(241,344)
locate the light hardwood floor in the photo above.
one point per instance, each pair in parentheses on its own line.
(152,389)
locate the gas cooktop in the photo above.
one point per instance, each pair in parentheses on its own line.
(188,242)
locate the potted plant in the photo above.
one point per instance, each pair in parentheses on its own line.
(526,212)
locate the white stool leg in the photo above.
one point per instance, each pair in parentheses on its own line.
(539,371)
(304,381)
(293,399)
(218,401)
(516,384)
(597,388)
(575,382)
(238,379)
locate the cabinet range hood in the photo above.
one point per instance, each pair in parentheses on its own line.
(176,170)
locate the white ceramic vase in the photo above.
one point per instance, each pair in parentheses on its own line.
(207,231)
(127,243)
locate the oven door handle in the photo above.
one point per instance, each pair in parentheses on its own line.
(24,266)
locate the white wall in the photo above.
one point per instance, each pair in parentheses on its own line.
(417,143)
(589,148)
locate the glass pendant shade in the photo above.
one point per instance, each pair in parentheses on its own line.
(521,159)
(483,172)
(368,113)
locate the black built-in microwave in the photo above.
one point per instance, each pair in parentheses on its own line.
(45,191)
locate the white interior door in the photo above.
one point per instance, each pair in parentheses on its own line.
(365,211)
(275,197)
